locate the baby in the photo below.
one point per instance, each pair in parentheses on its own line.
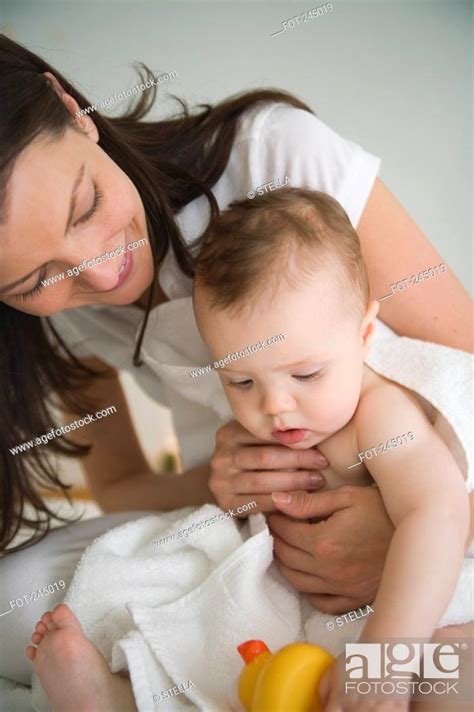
(296,269)
(290,262)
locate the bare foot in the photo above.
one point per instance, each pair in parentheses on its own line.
(73,673)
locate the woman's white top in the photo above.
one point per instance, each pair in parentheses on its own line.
(274,143)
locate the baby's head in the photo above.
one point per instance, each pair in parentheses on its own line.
(288,262)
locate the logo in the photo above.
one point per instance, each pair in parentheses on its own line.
(400,668)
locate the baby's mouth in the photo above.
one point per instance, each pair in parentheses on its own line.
(290,436)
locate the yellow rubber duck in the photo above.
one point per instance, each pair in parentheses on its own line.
(286,681)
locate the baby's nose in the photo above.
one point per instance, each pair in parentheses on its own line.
(277,402)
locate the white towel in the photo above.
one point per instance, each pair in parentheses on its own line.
(176,612)
(14,697)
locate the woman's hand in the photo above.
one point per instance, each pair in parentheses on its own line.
(244,468)
(338,561)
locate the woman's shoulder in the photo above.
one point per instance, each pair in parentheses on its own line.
(282,144)
(265,117)
(273,119)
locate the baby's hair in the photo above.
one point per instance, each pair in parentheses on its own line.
(285,235)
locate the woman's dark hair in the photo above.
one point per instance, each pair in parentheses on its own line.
(171,163)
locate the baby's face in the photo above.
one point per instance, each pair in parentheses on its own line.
(303,389)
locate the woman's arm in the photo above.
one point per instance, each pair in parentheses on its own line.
(438,309)
(117,471)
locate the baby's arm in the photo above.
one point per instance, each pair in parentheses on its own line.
(425,496)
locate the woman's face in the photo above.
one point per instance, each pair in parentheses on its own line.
(67,202)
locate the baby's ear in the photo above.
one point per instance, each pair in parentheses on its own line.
(367,327)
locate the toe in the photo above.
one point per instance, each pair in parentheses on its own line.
(30,652)
(63,617)
(36,638)
(40,628)
(47,620)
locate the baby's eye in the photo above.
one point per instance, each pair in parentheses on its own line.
(240,384)
(308,376)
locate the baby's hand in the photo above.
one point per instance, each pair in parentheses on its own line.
(333,699)
(371,705)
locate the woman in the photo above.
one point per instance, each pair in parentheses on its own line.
(73,188)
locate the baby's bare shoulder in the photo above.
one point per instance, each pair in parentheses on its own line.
(385,404)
